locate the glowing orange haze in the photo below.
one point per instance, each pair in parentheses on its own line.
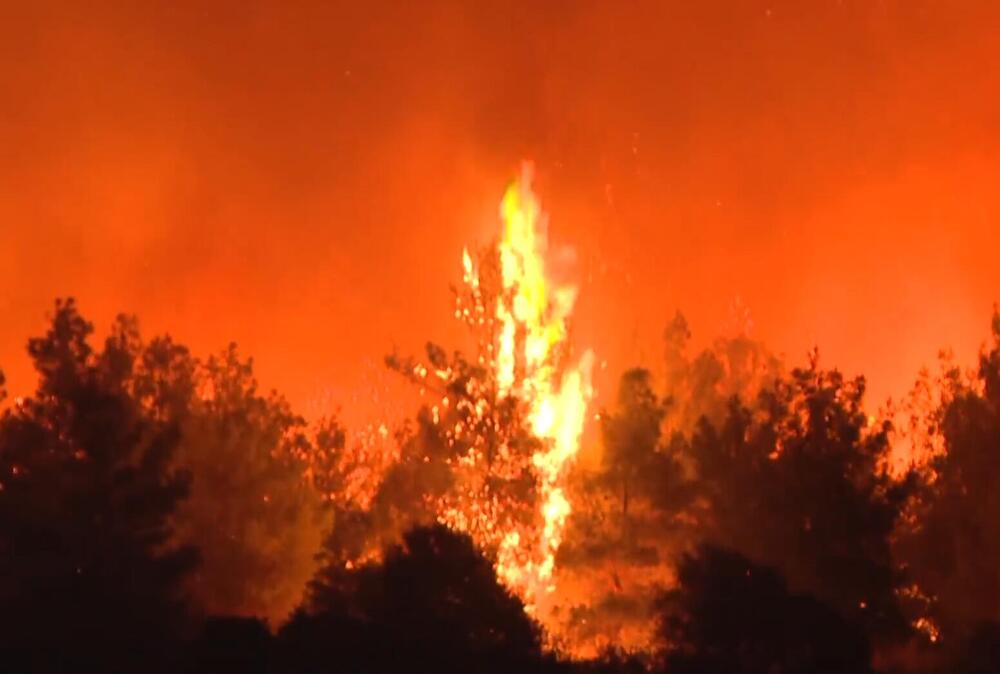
(303,180)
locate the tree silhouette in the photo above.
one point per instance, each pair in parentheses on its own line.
(87,581)
(232,646)
(632,434)
(795,481)
(731,615)
(699,386)
(124,463)
(432,604)
(256,518)
(951,544)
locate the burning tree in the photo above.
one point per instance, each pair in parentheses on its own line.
(506,424)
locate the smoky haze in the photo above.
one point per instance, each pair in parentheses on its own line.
(302,179)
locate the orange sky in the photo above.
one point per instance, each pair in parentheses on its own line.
(302,180)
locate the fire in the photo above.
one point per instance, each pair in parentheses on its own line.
(510,420)
(527,363)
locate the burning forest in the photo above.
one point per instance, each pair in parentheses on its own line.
(741,515)
(680,412)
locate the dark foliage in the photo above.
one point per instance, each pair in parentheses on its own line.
(952,542)
(795,482)
(731,615)
(433,604)
(979,653)
(804,546)
(87,581)
(256,521)
(631,438)
(231,646)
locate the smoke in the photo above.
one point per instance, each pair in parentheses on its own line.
(276,175)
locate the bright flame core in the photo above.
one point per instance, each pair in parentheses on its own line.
(531,314)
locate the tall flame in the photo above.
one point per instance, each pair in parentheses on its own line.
(531,317)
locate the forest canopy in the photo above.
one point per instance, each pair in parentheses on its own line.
(158,509)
